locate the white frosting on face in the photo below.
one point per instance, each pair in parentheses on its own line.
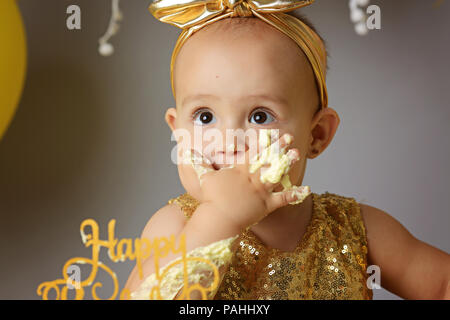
(277,158)
(196,161)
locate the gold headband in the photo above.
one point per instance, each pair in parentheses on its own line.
(192,15)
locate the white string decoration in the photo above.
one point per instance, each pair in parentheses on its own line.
(358,16)
(105,48)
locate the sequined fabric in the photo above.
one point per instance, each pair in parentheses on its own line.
(328,263)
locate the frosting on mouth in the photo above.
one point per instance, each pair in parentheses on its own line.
(277,158)
(196,161)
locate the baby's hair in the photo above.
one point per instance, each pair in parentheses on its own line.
(249,21)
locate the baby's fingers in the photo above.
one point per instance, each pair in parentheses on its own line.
(277,145)
(282,143)
(269,143)
(293,195)
(273,175)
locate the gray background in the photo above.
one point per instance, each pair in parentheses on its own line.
(89,139)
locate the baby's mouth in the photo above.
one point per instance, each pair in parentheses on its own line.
(218,166)
(222,161)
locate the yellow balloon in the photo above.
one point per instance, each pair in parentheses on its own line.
(13,61)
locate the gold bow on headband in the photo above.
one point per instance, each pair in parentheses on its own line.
(192,15)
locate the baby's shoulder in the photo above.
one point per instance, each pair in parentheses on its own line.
(166,221)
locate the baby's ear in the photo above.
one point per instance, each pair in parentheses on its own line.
(171,116)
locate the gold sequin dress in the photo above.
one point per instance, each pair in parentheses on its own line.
(328,263)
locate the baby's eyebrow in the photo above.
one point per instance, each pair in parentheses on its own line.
(195,97)
(277,100)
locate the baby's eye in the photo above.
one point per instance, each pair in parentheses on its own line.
(203,117)
(261,117)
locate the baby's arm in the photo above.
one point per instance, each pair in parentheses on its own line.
(168,221)
(233,199)
(409,267)
(165,222)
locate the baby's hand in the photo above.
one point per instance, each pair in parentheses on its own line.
(238,192)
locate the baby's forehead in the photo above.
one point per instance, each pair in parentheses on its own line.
(238,27)
(246,54)
(240,35)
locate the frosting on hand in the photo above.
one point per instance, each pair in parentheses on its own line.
(172,280)
(280,163)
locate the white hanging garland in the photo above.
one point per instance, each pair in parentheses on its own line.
(105,48)
(357,16)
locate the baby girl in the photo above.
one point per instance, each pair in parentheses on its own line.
(244,73)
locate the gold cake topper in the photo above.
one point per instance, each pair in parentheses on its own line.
(139,250)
